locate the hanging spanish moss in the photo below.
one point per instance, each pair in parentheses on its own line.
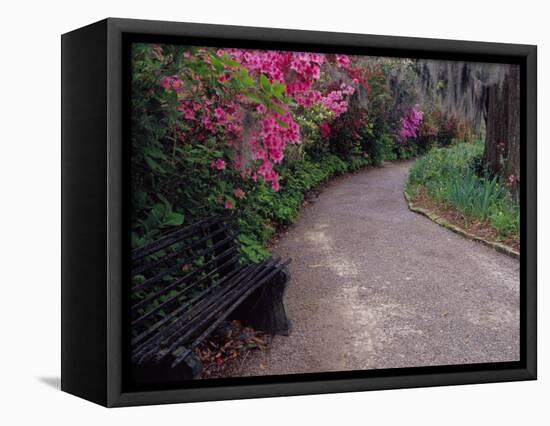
(461,87)
(487,96)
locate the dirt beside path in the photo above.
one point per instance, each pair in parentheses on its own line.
(374,285)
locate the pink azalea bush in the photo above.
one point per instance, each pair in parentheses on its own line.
(410,124)
(247,101)
(271,82)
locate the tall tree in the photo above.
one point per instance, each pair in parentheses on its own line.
(503,127)
(486,95)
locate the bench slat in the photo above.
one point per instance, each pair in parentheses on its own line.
(213,308)
(148,283)
(176,236)
(151,344)
(205,267)
(181,357)
(137,322)
(145,266)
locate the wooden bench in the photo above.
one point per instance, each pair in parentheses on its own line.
(185,285)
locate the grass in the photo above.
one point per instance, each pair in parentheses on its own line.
(450,176)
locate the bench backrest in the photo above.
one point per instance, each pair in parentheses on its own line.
(168,273)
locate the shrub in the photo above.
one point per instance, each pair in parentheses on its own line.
(381,149)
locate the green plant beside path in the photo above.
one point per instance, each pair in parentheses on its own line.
(454,177)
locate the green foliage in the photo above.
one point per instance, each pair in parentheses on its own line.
(406,150)
(312,142)
(452,176)
(377,142)
(506,219)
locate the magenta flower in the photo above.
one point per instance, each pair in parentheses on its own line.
(220,114)
(165,82)
(187,111)
(343,61)
(410,124)
(239,193)
(218,164)
(207,123)
(325,130)
(171,82)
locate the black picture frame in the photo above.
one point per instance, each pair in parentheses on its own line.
(94,205)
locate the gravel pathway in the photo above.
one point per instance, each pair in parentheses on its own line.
(374,285)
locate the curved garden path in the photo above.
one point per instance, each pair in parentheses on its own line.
(374,285)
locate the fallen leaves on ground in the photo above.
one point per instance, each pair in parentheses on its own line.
(228,348)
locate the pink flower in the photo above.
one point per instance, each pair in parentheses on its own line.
(343,61)
(410,124)
(171,83)
(347,89)
(188,112)
(512,179)
(335,102)
(228,205)
(325,130)
(218,164)
(165,82)
(239,193)
(220,114)
(207,123)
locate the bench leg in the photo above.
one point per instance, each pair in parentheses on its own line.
(162,372)
(264,309)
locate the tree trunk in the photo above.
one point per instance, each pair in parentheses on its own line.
(503,128)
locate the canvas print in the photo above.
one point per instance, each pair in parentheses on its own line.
(309,212)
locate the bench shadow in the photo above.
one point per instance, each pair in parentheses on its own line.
(54,382)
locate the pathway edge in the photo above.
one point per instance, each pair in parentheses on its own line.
(458,230)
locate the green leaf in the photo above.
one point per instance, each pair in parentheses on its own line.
(218,66)
(277,108)
(247,81)
(253,97)
(277,89)
(226,59)
(266,85)
(174,219)
(153,164)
